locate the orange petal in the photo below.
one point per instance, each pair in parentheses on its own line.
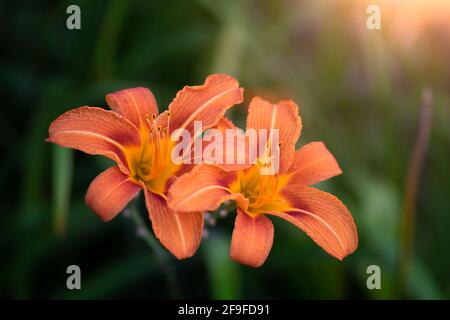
(236,146)
(135,104)
(323,217)
(221,154)
(233,155)
(282,116)
(225,123)
(206,103)
(203,189)
(252,239)
(313,163)
(95,131)
(180,233)
(110,192)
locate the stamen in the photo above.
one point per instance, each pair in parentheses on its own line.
(154,121)
(164,146)
(168,122)
(158,132)
(159,147)
(155,149)
(149,122)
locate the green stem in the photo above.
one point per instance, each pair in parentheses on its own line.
(411,190)
(161,255)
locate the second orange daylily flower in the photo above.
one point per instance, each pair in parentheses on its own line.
(286,194)
(139,141)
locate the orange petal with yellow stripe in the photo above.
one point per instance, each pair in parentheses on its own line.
(180,233)
(235,153)
(251,240)
(203,189)
(323,217)
(238,160)
(206,103)
(95,131)
(135,104)
(313,163)
(110,192)
(282,116)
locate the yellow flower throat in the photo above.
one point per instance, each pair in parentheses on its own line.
(262,191)
(151,163)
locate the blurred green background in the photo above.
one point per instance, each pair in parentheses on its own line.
(359,91)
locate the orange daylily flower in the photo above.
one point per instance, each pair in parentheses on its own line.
(138,140)
(286,195)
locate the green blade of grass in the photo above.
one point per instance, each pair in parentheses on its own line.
(105,53)
(223,272)
(62,172)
